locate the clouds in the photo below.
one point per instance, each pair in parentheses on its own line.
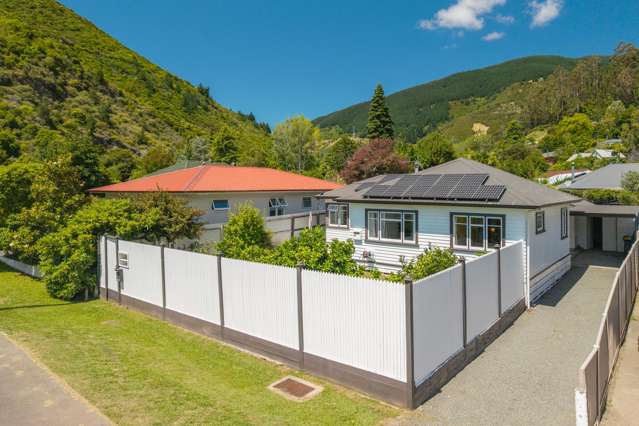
(544,11)
(495,35)
(505,19)
(464,14)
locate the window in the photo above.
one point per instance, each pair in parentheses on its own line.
(276,206)
(475,232)
(395,226)
(564,223)
(307,202)
(540,222)
(338,215)
(123,259)
(494,231)
(220,205)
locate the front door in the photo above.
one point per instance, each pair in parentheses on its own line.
(597,236)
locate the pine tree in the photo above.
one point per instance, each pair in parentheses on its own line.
(380,123)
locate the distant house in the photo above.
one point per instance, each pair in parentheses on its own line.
(216,189)
(555,177)
(462,205)
(605,154)
(609,143)
(608,177)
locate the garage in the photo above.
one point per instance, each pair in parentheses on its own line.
(602,227)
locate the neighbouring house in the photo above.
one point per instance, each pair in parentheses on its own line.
(608,177)
(598,154)
(602,227)
(610,143)
(463,205)
(216,189)
(555,177)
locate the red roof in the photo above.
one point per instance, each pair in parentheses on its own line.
(218,178)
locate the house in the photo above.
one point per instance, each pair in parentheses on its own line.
(216,189)
(598,154)
(463,205)
(555,177)
(608,177)
(610,143)
(602,227)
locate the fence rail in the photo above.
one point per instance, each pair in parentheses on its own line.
(398,342)
(594,375)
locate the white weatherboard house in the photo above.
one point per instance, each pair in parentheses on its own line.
(463,205)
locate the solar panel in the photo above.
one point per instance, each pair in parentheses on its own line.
(423,184)
(402,185)
(489,192)
(365,185)
(443,186)
(377,191)
(467,186)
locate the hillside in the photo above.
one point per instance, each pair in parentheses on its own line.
(62,77)
(423,107)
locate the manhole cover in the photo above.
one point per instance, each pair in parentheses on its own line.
(295,388)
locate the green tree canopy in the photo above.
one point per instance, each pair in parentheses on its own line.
(630,182)
(380,123)
(245,235)
(224,147)
(434,149)
(294,143)
(340,152)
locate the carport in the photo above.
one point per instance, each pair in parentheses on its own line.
(602,226)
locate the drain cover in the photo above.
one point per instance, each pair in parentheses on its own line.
(295,388)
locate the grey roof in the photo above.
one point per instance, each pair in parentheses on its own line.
(520,192)
(608,177)
(587,208)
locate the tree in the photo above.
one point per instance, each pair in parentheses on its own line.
(573,134)
(340,152)
(15,187)
(224,147)
(376,158)
(8,146)
(197,149)
(434,149)
(118,164)
(380,123)
(630,182)
(245,235)
(294,143)
(156,158)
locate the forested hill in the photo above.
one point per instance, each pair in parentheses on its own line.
(421,108)
(63,78)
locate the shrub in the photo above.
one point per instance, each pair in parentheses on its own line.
(428,263)
(245,235)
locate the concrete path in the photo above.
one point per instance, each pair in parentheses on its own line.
(30,395)
(528,375)
(622,407)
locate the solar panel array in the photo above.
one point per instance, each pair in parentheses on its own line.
(435,187)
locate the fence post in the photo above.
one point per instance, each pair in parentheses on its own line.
(464,302)
(99,271)
(163,282)
(117,269)
(220,294)
(300,314)
(499,307)
(106,267)
(292,226)
(410,344)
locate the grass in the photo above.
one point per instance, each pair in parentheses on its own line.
(138,370)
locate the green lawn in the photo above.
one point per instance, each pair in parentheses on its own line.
(138,370)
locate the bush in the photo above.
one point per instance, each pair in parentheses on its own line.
(245,235)
(428,263)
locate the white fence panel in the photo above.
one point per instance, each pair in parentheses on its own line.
(512,275)
(102,266)
(261,300)
(481,294)
(438,328)
(355,321)
(111,262)
(143,276)
(191,284)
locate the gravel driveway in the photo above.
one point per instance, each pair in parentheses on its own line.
(528,375)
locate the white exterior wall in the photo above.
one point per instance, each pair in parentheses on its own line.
(580,232)
(548,247)
(433,231)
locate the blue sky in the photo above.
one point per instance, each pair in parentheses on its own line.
(282,58)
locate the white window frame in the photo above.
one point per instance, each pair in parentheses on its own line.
(310,203)
(564,222)
(469,216)
(228,205)
(542,229)
(123,260)
(337,208)
(401,220)
(276,207)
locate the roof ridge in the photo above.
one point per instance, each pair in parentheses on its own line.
(195,178)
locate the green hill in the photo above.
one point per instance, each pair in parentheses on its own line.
(60,76)
(420,108)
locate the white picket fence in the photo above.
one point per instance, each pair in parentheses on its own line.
(351,322)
